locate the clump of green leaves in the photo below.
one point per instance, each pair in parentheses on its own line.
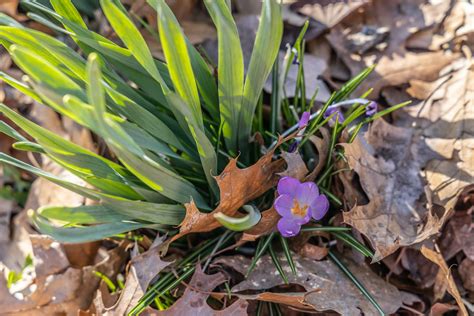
(171,126)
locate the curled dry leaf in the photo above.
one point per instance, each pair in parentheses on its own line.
(314,252)
(237,187)
(466,271)
(440,309)
(295,166)
(395,65)
(322,146)
(444,277)
(388,168)
(328,288)
(193,301)
(446,124)
(458,235)
(329,13)
(295,300)
(143,268)
(59,288)
(10,7)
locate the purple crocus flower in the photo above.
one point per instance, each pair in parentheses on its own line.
(371,108)
(297,203)
(302,123)
(304,119)
(338,115)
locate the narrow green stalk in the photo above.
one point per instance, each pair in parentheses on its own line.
(260,253)
(356,282)
(351,241)
(287,252)
(277,264)
(275,106)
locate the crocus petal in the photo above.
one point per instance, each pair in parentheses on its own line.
(371,108)
(304,120)
(288,227)
(288,185)
(307,192)
(319,207)
(283,205)
(338,115)
(303,220)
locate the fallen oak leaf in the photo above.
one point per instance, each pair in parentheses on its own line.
(295,166)
(466,272)
(313,252)
(295,300)
(193,301)
(237,187)
(328,288)
(445,123)
(143,269)
(395,65)
(444,276)
(10,7)
(389,174)
(322,146)
(330,14)
(60,289)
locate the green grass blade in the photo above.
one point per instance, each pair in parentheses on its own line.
(177,57)
(277,264)
(11,132)
(231,70)
(132,38)
(83,234)
(260,252)
(166,214)
(85,214)
(351,241)
(356,282)
(287,252)
(66,9)
(267,44)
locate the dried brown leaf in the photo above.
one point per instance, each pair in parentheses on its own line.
(440,309)
(313,252)
(295,300)
(295,166)
(60,289)
(389,174)
(444,277)
(329,13)
(266,225)
(322,146)
(445,121)
(466,271)
(237,187)
(193,301)
(328,288)
(143,268)
(10,7)
(395,65)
